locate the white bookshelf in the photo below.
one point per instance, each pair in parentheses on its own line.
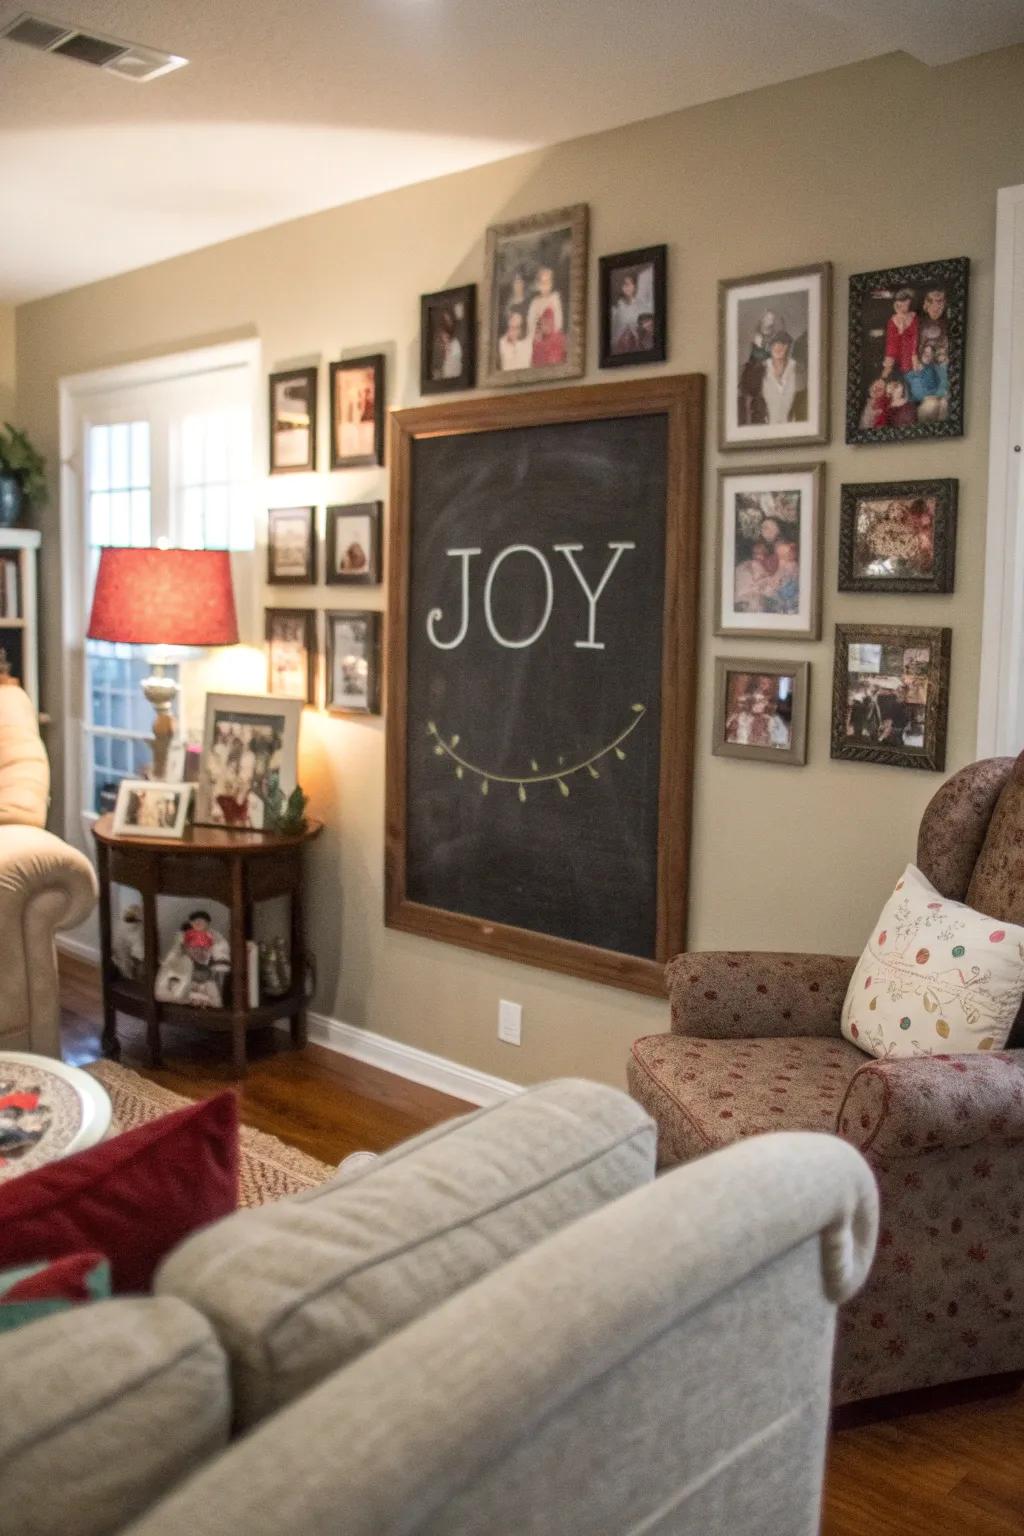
(20,547)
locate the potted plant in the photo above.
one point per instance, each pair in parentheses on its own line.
(22,476)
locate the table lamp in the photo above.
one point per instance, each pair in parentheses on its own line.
(159,598)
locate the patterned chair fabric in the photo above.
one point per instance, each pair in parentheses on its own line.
(755,1046)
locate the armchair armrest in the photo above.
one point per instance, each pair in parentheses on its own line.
(34,864)
(743,995)
(905,1106)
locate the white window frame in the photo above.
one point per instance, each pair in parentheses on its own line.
(1001,684)
(75,393)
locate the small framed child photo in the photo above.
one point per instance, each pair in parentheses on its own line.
(448,340)
(353,545)
(761,710)
(634,322)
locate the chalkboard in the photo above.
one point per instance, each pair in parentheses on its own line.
(543,586)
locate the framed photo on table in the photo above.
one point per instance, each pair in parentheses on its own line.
(250,759)
(291,653)
(448,340)
(773,358)
(768,552)
(761,710)
(633,300)
(291,547)
(353,544)
(353,662)
(898,536)
(357,411)
(293,421)
(890,695)
(535,308)
(151,808)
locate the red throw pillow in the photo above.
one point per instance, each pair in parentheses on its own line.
(133,1198)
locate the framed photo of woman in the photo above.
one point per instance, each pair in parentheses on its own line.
(634,320)
(773,358)
(448,340)
(536,298)
(768,552)
(357,411)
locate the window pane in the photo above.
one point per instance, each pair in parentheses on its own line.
(100,706)
(99,458)
(140,453)
(216,447)
(192,520)
(217,517)
(120,517)
(119,456)
(99,518)
(192,450)
(141,529)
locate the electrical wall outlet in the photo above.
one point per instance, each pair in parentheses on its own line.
(510,1022)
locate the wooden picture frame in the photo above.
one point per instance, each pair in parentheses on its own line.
(457,306)
(744,352)
(928,520)
(289,676)
(343,696)
(294,566)
(877,355)
(353,556)
(778,738)
(525,248)
(292,410)
(619,409)
(263,735)
(872,718)
(367,432)
(629,342)
(782,609)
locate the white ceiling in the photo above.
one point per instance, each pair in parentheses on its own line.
(286,109)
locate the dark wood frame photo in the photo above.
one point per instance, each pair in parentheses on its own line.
(575,219)
(932,753)
(308,577)
(310,375)
(795,755)
(763,436)
(941,578)
(375,361)
(680,401)
(953,277)
(370,577)
(308,619)
(466,377)
(812,552)
(374,632)
(655,256)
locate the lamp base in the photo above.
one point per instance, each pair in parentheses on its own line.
(160,691)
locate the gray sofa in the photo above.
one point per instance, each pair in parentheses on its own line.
(503,1326)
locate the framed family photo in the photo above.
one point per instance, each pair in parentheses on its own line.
(291,546)
(291,653)
(357,412)
(250,759)
(536,298)
(353,544)
(148,808)
(634,318)
(898,536)
(905,374)
(293,421)
(761,710)
(890,695)
(448,340)
(773,358)
(353,662)
(768,552)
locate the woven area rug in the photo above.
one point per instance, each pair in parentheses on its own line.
(268,1169)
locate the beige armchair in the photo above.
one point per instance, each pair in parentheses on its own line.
(45,885)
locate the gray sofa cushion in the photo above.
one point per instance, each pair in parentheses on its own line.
(296,1290)
(106,1407)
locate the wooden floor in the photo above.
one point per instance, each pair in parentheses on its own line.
(950,1467)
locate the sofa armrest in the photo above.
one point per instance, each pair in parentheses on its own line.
(903,1107)
(743,995)
(34,864)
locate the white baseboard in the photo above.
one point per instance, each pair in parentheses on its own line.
(375,1050)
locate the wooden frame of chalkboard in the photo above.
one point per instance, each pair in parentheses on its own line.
(676,405)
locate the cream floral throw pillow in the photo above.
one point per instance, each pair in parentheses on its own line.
(936,977)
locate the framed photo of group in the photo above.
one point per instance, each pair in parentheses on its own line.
(535,309)
(773,358)
(890,695)
(768,552)
(761,710)
(633,299)
(357,411)
(250,755)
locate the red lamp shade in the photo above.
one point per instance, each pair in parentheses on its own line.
(164,597)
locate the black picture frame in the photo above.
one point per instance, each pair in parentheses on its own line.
(307,618)
(373,621)
(374,362)
(655,256)
(277,516)
(943,493)
(862,747)
(308,377)
(370,575)
(867,342)
(430,304)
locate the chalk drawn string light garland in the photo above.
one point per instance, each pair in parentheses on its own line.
(559,776)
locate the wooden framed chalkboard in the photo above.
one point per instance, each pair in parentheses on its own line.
(543,587)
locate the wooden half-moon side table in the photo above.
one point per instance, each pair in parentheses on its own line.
(237,869)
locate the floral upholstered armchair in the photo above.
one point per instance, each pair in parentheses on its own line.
(755,1046)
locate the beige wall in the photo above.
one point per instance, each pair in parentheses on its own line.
(874,165)
(7,353)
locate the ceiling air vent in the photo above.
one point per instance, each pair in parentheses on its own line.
(117,57)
